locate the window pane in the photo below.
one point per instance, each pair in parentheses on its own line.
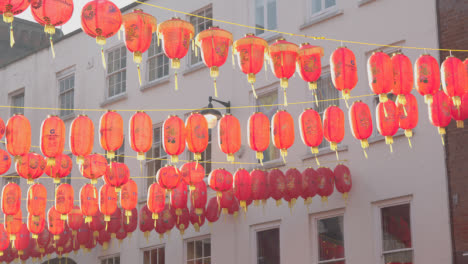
(271,15)
(259,16)
(198,249)
(146,257)
(207,248)
(154,256)
(330,3)
(161,256)
(268,247)
(117,260)
(396,229)
(400,257)
(316,6)
(330,240)
(190,250)
(200,24)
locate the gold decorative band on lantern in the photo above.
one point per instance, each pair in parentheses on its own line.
(88,219)
(117,189)
(214,72)
(51,162)
(175,63)
(230,157)
(101,40)
(49,29)
(456,101)
(56,180)
(128,213)
(333,146)
(284,82)
(389,141)
(79,160)
(155,216)
(34,236)
(314,150)
(141,156)
(428,99)
(308,201)
(260,156)
(401,98)
(364,143)
(174,158)
(93,181)
(8,17)
(460,124)
(107,218)
(56,237)
(312,86)
(137,57)
(383,98)
(30,181)
(198,211)
(284,154)
(110,155)
(63,217)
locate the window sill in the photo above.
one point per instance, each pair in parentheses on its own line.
(363,2)
(322,16)
(157,82)
(324,151)
(114,99)
(193,68)
(271,164)
(378,137)
(68,117)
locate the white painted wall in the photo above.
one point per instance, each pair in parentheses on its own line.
(418,172)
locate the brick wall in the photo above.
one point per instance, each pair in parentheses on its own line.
(453,34)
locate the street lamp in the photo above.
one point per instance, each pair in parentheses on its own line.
(212,115)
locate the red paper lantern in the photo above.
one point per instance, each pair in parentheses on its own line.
(197,135)
(427,75)
(310,125)
(11,198)
(309,65)
(333,126)
(75,220)
(259,186)
(214,45)
(160,228)
(61,168)
(179,198)
(4,239)
(129,197)
(107,201)
(139,29)
(309,185)
(12,7)
(212,210)
(458,114)
(402,76)
(168,218)
(18,136)
(234,208)
(192,173)
(198,197)
(5,161)
(408,115)
(37,199)
(146,222)
(220,180)
(56,225)
(174,137)
(2,128)
(121,235)
(36,224)
(229,136)
(343,180)
(64,195)
(259,133)
(13,224)
(141,133)
(104,238)
(111,132)
(183,221)
(282,131)
(43,240)
(283,55)
(117,174)
(81,137)
(197,219)
(94,166)
(51,14)
(226,200)
(380,73)
(360,120)
(101,19)
(175,35)
(454,79)
(387,121)
(22,239)
(344,71)
(326,182)
(115,222)
(168,177)
(131,224)
(293,181)
(439,112)
(52,135)
(276,185)
(89,203)
(31,166)
(250,52)
(242,187)
(156,199)
(97,224)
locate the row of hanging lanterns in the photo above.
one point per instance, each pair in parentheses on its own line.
(99,211)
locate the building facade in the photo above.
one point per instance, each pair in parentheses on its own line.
(406,189)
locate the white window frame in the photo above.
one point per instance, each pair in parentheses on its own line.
(143,250)
(154,45)
(113,256)
(60,78)
(193,239)
(265,18)
(324,10)
(377,207)
(254,229)
(17,93)
(314,218)
(108,75)
(197,12)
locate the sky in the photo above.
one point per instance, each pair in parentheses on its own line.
(75,22)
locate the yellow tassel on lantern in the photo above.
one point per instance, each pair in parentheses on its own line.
(313,89)
(409,134)
(174,158)
(456,101)
(460,124)
(285,97)
(315,151)
(364,145)
(103,58)
(346,96)
(139,74)
(12,36)
(383,98)
(428,99)
(260,157)
(278,202)
(284,154)
(176,84)
(442,133)
(324,199)
(52,47)
(389,141)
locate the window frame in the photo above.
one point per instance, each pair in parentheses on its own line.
(378,244)
(107,257)
(193,239)
(60,78)
(265,18)
(189,54)
(11,97)
(314,218)
(254,229)
(324,10)
(154,41)
(143,250)
(108,75)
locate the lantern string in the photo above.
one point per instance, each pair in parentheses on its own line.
(341,41)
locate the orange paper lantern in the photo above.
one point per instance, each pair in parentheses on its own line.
(192,173)
(61,168)
(81,137)
(5,161)
(454,79)
(439,112)
(242,187)
(174,137)
(360,120)
(380,73)
(37,199)
(408,115)
(282,131)
(94,166)
(461,114)
(52,138)
(64,195)
(56,225)
(31,166)
(107,201)
(156,199)
(129,197)
(276,185)
(111,132)
(168,177)
(344,71)
(89,201)
(141,133)
(387,121)
(427,75)
(18,136)
(229,136)
(309,65)
(220,180)
(310,125)
(11,198)
(259,134)
(117,174)
(333,126)
(343,180)
(197,135)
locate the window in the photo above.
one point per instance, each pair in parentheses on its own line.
(17,100)
(116,71)
(198,251)
(111,260)
(267,104)
(154,256)
(66,95)
(200,24)
(320,5)
(325,90)
(265,15)
(268,246)
(330,240)
(158,62)
(396,234)
(11,178)
(156,157)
